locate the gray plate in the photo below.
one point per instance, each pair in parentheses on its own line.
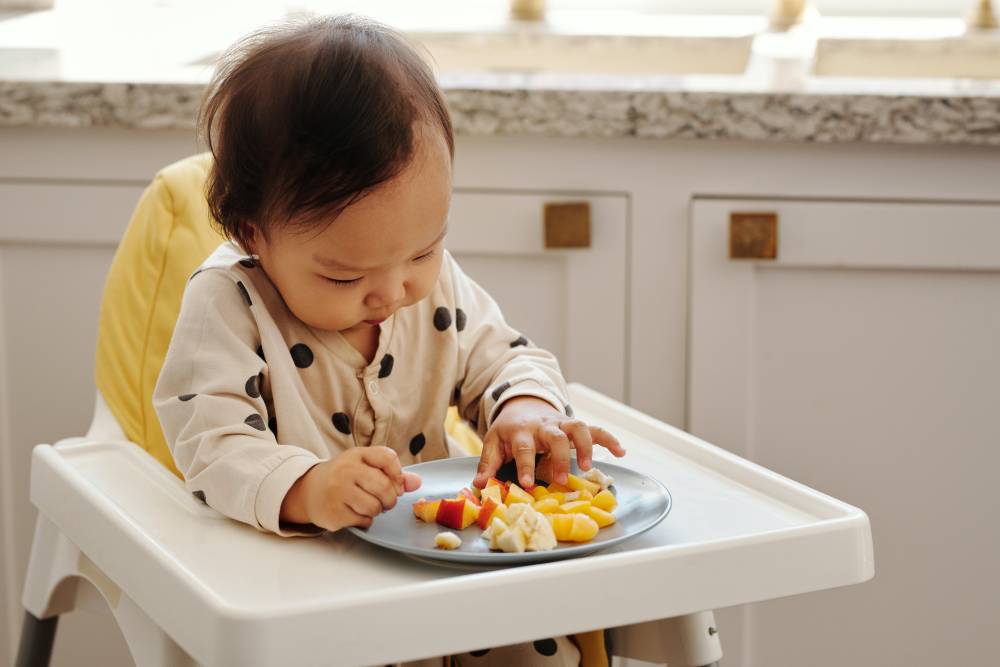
(642,503)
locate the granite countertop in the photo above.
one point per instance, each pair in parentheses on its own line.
(54,75)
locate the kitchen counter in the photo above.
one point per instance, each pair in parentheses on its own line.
(52,75)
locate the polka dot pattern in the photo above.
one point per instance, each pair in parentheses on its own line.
(545,646)
(569,410)
(301,355)
(460,319)
(417,443)
(342,422)
(186,397)
(442,319)
(253,386)
(385,368)
(500,390)
(520,342)
(244,293)
(248,262)
(255,421)
(200,495)
(479,654)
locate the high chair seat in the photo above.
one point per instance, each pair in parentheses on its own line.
(117,530)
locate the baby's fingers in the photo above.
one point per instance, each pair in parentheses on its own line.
(582,441)
(489,460)
(522,445)
(385,460)
(411,481)
(376,483)
(606,440)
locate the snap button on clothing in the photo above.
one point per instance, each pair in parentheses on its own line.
(373,387)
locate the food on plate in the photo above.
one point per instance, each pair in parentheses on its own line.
(514,520)
(447,540)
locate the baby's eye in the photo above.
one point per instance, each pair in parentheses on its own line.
(343,283)
(425,256)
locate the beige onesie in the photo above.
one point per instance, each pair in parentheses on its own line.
(250,397)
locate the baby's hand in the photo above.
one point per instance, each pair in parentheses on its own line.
(348,490)
(527,425)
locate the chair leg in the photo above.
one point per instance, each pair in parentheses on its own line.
(37,637)
(684,641)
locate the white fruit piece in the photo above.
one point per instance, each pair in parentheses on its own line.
(528,531)
(447,540)
(597,477)
(512,540)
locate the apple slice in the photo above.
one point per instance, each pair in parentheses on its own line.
(486,513)
(426,510)
(516,494)
(495,492)
(456,513)
(468,494)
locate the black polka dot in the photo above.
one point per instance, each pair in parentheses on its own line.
(442,319)
(460,319)
(480,653)
(200,495)
(545,646)
(260,352)
(253,387)
(255,421)
(521,340)
(197,271)
(186,397)
(500,390)
(342,423)
(417,443)
(244,293)
(272,424)
(248,262)
(569,410)
(302,355)
(386,366)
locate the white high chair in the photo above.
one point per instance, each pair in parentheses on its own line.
(117,530)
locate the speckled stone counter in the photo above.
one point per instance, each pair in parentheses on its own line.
(763,107)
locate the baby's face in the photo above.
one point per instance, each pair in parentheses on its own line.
(381,254)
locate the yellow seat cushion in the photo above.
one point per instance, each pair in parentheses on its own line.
(170,234)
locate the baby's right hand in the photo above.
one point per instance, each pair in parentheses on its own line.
(348,490)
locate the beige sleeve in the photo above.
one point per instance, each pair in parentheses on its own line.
(213,416)
(496,362)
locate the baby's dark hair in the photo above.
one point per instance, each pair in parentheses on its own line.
(306,117)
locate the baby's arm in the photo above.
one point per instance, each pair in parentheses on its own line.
(515,393)
(214,419)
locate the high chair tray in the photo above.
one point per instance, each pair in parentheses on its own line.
(231,595)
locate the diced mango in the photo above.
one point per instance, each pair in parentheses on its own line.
(574,507)
(603,519)
(516,494)
(546,505)
(605,500)
(558,495)
(562,525)
(584,528)
(556,486)
(586,495)
(579,484)
(539,492)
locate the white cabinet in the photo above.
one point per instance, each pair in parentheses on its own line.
(863,361)
(570,301)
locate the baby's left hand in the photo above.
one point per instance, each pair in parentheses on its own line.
(527,425)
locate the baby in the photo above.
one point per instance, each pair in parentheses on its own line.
(317,351)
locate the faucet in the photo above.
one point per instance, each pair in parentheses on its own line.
(527,10)
(982,16)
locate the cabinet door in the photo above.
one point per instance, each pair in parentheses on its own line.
(572,302)
(863,361)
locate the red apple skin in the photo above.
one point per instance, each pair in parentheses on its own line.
(467,493)
(485,513)
(450,513)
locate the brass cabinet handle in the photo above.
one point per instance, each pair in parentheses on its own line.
(753,235)
(567,225)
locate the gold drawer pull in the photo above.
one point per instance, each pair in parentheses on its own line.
(567,225)
(753,235)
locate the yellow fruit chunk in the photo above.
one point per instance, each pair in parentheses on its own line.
(603,519)
(426,510)
(562,525)
(580,484)
(559,496)
(575,506)
(584,528)
(586,495)
(516,494)
(605,500)
(556,486)
(500,513)
(494,492)
(539,492)
(546,505)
